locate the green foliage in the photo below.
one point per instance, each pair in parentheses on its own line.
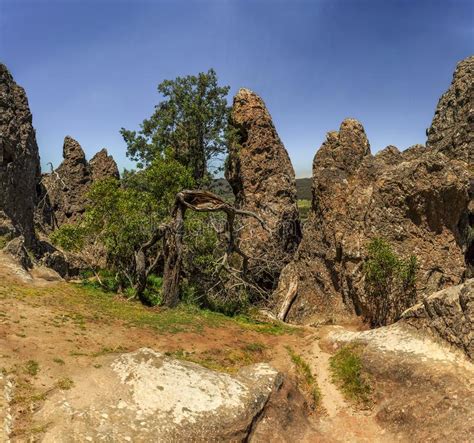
(69,237)
(191,122)
(121,217)
(232,304)
(4,239)
(390,282)
(305,375)
(347,371)
(153,291)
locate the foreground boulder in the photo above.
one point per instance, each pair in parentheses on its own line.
(263,181)
(417,200)
(19,161)
(146,396)
(422,390)
(64,190)
(448,315)
(452,129)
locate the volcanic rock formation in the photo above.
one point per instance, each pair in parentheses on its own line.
(64,193)
(417,200)
(19,161)
(103,166)
(452,129)
(263,181)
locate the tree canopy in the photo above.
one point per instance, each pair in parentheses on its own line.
(191,123)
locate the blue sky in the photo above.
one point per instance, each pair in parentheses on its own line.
(91,67)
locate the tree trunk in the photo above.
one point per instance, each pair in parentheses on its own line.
(173,258)
(141,272)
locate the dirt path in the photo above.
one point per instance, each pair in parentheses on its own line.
(342,421)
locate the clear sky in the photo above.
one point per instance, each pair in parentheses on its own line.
(91,67)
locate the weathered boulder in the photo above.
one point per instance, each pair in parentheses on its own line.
(452,129)
(146,396)
(103,166)
(422,390)
(19,160)
(17,250)
(447,314)
(64,190)
(416,200)
(263,181)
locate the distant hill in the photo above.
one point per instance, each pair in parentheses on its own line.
(303,188)
(221,187)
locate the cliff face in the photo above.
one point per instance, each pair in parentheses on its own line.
(263,181)
(419,200)
(19,161)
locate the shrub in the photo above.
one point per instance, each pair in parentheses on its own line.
(69,237)
(389,283)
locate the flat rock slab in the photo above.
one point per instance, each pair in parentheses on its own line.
(147,396)
(6,419)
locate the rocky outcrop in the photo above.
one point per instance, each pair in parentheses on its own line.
(417,200)
(19,161)
(452,129)
(447,314)
(146,396)
(103,166)
(263,181)
(64,190)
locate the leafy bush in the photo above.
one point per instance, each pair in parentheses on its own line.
(389,283)
(69,237)
(4,239)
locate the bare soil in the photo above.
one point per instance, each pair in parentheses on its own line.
(51,331)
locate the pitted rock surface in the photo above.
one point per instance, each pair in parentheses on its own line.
(19,161)
(103,166)
(452,129)
(417,200)
(64,193)
(263,181)
(145,396)
(447,314)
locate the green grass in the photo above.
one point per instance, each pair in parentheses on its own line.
(82,304)
(347,372)
(304,372)
(32,367)
(227,360)
(304,207)
(59,361)
(107,350)
(4,239)
(65,383)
